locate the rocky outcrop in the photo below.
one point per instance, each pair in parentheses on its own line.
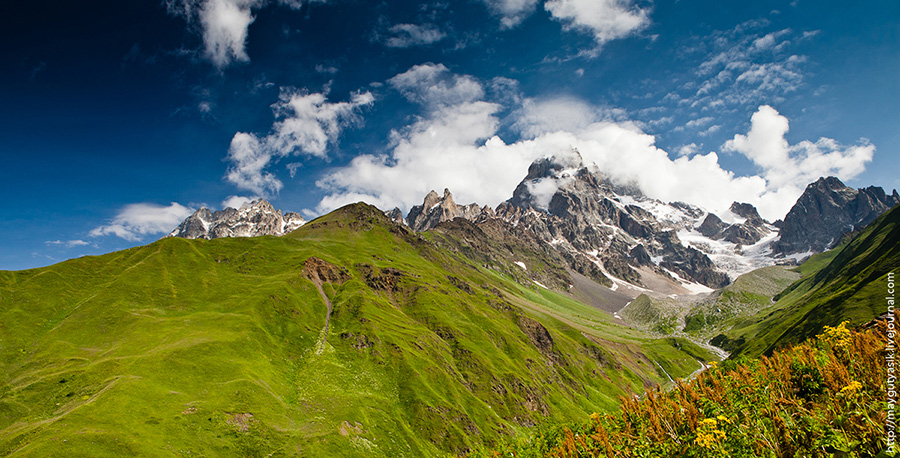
(436,209)
(252,219)
(712,226)
(586,216)
(826,211)
(395,215)
(748,229)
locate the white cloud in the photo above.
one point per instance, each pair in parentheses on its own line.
(326,69)
(511,12)
(548,115)
(224,25)
(237,201)
(134,221)
(744,67)
(445,150)
(769,41)
(607,20)
(67,243)
(688,150)
(307,124)
(783,164)
(453,146)
(697,123)
(434,85)
(456,146)
(249,158)
(408,35)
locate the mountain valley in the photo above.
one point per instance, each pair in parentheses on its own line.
(252,332)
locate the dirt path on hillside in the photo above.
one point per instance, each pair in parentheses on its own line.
(319,271)
(316,281)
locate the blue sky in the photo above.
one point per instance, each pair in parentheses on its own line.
(121,118)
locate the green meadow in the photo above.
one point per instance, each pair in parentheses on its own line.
(219,347)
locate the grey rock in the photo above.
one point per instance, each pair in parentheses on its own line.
(435,210)
(826,211)
(395,215)
(252,219)
(712,226)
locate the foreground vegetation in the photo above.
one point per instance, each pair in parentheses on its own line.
(824,397)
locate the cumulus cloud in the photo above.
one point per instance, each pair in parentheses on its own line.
(433,85)
(307,123)
(237,201)
(783,164)
(452,146)
(511,12)
(456,146)
(552,114)
(134,221)
(409,35)
(224,25)
(607,20)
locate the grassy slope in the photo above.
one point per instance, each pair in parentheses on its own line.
(215,348)
(747,295)
(846,284)
(822,398)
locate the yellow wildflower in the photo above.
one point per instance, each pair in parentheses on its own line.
(839,336)
(708,435)
(853,387)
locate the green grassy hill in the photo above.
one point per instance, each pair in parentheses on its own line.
(822,398)
(221,348)
(746,296)
(848,283)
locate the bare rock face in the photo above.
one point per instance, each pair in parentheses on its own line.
(826,211)
(319,270)
(395,215)
(596,227)
(748,230)
(435,210)
(252,219)
(587,217)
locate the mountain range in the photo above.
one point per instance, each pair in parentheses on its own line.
(252,332)
(613,234)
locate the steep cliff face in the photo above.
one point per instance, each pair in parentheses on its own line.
(584,215)
(603,230)
(436,209)
(252,219)
(826,211)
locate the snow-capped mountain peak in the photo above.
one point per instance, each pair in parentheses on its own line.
(252,219)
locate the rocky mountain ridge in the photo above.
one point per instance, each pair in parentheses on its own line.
(608,232)
(252,219)
(826,211)
(595,224)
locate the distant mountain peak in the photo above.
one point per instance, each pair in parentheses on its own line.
(252,219)
(435,210)
(826,211)
(550,166)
